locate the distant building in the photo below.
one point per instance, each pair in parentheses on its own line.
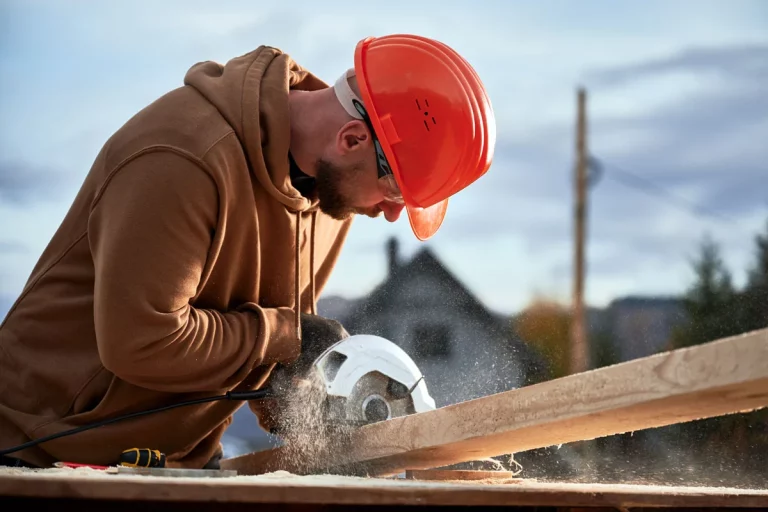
(464,350)
(642,326)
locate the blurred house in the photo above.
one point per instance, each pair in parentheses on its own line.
(464,350)
(641,326)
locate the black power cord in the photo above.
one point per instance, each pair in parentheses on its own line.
(230,395)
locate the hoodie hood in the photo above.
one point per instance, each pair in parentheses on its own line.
(251,92)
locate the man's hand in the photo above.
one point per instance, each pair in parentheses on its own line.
(317,335)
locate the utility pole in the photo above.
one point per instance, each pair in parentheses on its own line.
(579,347)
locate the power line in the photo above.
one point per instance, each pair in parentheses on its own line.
(637,182)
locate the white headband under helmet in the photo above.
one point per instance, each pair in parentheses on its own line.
(345,94)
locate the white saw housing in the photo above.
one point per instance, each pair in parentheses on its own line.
(367,376)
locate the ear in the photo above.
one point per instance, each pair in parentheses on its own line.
(353,137)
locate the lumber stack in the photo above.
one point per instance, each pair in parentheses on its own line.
(721,377)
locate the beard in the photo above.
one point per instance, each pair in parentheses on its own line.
(330,180)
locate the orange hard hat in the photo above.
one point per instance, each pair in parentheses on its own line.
(433,123)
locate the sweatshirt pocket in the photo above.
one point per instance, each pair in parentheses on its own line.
(92,393)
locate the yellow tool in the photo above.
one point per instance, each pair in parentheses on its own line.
(142,458)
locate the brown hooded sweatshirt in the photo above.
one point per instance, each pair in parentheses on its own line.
(178,273)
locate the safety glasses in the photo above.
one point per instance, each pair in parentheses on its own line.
(387,182)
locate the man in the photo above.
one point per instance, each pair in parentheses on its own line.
(191,259)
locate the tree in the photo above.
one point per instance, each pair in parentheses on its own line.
(754,299)
(603,348)
(711,303)
(545,325)
(715,310)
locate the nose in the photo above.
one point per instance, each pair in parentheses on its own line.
(391,210)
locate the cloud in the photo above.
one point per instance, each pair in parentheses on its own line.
(706,153)
(732,63)
(684,167)
(22,183)
(710,146)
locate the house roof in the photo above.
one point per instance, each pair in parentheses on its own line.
(424,262)
(635,300)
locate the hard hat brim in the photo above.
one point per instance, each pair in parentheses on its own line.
(426,221)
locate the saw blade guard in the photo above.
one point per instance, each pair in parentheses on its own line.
(344,364)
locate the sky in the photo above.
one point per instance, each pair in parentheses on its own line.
(677,103)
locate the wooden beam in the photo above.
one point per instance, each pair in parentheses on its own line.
(714,379)
(89,490)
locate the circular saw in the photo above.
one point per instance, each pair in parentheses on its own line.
(368,379)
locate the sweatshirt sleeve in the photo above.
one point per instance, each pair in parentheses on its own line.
(150,233)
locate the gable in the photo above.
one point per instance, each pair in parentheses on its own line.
(424,308)
(423,281)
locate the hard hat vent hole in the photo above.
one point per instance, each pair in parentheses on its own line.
(426,112)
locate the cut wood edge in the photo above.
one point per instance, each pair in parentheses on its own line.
(464,475)
(721,377)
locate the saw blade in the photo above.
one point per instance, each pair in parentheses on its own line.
(375,398)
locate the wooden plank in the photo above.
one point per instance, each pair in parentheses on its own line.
(717,378)
(463,475)
(206,494)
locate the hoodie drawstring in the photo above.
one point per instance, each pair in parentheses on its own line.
(297,270)
(297,276)
(312,261)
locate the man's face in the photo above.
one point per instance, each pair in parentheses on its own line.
(347,189)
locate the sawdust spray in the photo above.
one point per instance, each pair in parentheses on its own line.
(309,441)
